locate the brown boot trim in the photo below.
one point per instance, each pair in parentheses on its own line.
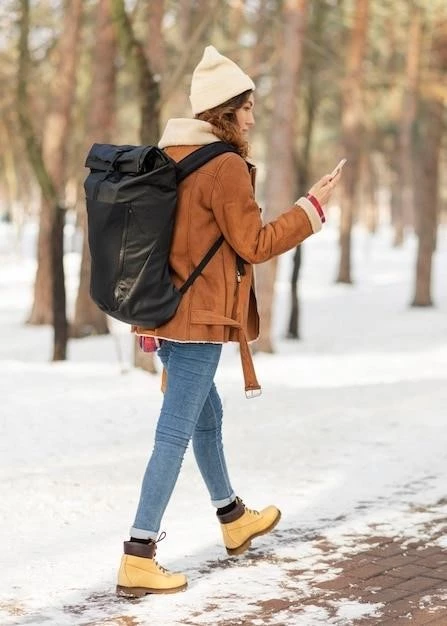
(233,515)
(144,550)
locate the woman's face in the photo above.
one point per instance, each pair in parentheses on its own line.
(244,115)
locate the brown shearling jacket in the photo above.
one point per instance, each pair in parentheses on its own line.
(220,306)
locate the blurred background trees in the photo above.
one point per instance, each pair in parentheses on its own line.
(363,79)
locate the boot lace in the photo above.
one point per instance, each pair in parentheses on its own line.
(160,567)
(250,511)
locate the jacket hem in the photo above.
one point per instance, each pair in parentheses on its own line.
(179,340)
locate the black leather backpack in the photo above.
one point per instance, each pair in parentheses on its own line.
(131,195)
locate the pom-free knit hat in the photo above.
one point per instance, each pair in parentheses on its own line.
(215,80)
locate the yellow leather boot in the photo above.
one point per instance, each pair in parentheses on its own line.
(241,525)
(140,574)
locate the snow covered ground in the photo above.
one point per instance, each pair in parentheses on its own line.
(348,436)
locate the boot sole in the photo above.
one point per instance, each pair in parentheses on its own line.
(140,592)
(245,546)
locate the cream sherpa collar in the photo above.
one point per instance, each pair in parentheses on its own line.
(187,132)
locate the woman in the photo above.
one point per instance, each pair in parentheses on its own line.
(219,307)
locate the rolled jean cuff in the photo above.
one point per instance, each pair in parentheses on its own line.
(138,533)
(221,503)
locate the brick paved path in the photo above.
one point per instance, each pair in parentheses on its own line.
(388,580)
(408,579)
(404,581)
(407,582)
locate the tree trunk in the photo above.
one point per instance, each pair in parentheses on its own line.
(149,92)
(235,20)
(280,187)
(42,308)
(391,148)
(88,318)
(58,282)
(14,195)
(183,19)
(352,135)
(408,118)
(54,155)
(155,47)
(369,189)
(42,288)
(427,197)
(293,331)
(148,87)
(316,26)
(53,161)
(259,50)
(428,159)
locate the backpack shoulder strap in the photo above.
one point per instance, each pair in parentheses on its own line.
(199,157)
(187,166)
(201,266)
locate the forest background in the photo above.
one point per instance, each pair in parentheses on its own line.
(360,79)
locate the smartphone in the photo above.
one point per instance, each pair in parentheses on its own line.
(338,168)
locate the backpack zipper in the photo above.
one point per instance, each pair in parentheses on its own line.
(123,249)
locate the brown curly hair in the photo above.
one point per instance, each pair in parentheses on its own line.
(224,122)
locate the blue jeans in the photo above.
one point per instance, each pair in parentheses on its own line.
(191,409)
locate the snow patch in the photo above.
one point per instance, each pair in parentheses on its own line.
(348,439)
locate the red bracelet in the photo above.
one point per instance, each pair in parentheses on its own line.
(317,205)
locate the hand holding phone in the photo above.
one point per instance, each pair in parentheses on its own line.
(338,168)
(322,190)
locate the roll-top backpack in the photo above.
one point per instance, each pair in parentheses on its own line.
(131,196)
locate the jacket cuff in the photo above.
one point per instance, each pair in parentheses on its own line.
(318,206)
(311,212)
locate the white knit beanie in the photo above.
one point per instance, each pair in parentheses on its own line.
(215,80)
